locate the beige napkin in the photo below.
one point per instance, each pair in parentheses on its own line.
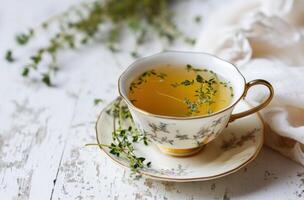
(265,39)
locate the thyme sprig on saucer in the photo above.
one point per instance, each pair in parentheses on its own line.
(124,135)
(203,94)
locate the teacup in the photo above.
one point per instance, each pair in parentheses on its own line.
(183,136)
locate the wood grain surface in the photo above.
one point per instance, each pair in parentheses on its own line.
(43,131)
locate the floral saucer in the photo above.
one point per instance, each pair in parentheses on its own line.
(234,148)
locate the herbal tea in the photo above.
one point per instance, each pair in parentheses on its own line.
(180,91)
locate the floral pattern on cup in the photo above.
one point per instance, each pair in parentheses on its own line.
(188,133)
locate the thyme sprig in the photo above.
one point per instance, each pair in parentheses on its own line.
(98,101)
(9,56)
(143,78)
(185,83)
(84,23)
(124,135)
(204,94)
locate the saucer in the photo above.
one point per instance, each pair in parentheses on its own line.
(238,144)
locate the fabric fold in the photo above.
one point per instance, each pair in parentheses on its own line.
(265,39)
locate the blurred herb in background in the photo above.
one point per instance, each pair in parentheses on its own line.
(82,24)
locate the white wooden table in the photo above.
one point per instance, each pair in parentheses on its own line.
(43,130)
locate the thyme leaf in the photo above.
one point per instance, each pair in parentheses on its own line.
(9,56)
(125,135)
(198,19)
(98,101)
(143,78)
(23,38)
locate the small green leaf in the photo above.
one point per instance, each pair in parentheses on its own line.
(134,54)
(198,19)
(189,67)
(187,82)
(25,71)
(9,56)
(141,159)
(46,79)
(23,38)
(98,101)
(36,59)
(199,78)
(45,25)
(191,41)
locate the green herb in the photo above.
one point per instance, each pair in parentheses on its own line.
(199,78)
(224,84)
(9,56)
(231,91)
(143,78)
(80,25)
(190,68)
(213,73)
(23,38)
(203,97)
(46,79)
(161,75)
(185,83)
(25,71)
(204,94)
(124,135)
(192,106)
(98,101)
(198,19)
(134,54)
(191,41)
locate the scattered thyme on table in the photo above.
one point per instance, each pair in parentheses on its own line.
(80,25)
(9,56)
(98,101)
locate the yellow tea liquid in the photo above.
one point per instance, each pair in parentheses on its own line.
(180,91)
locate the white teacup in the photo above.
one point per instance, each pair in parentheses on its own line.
(182,136)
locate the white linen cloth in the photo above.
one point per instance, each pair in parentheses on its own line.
(265,39)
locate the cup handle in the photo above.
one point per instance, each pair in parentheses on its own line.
(259,107)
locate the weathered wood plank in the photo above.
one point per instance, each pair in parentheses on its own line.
(33,118)
(32,141)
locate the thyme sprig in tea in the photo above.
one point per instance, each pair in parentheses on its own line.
(143,78)
(185,91)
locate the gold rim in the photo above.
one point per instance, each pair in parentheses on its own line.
(172,117)
(146,174)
